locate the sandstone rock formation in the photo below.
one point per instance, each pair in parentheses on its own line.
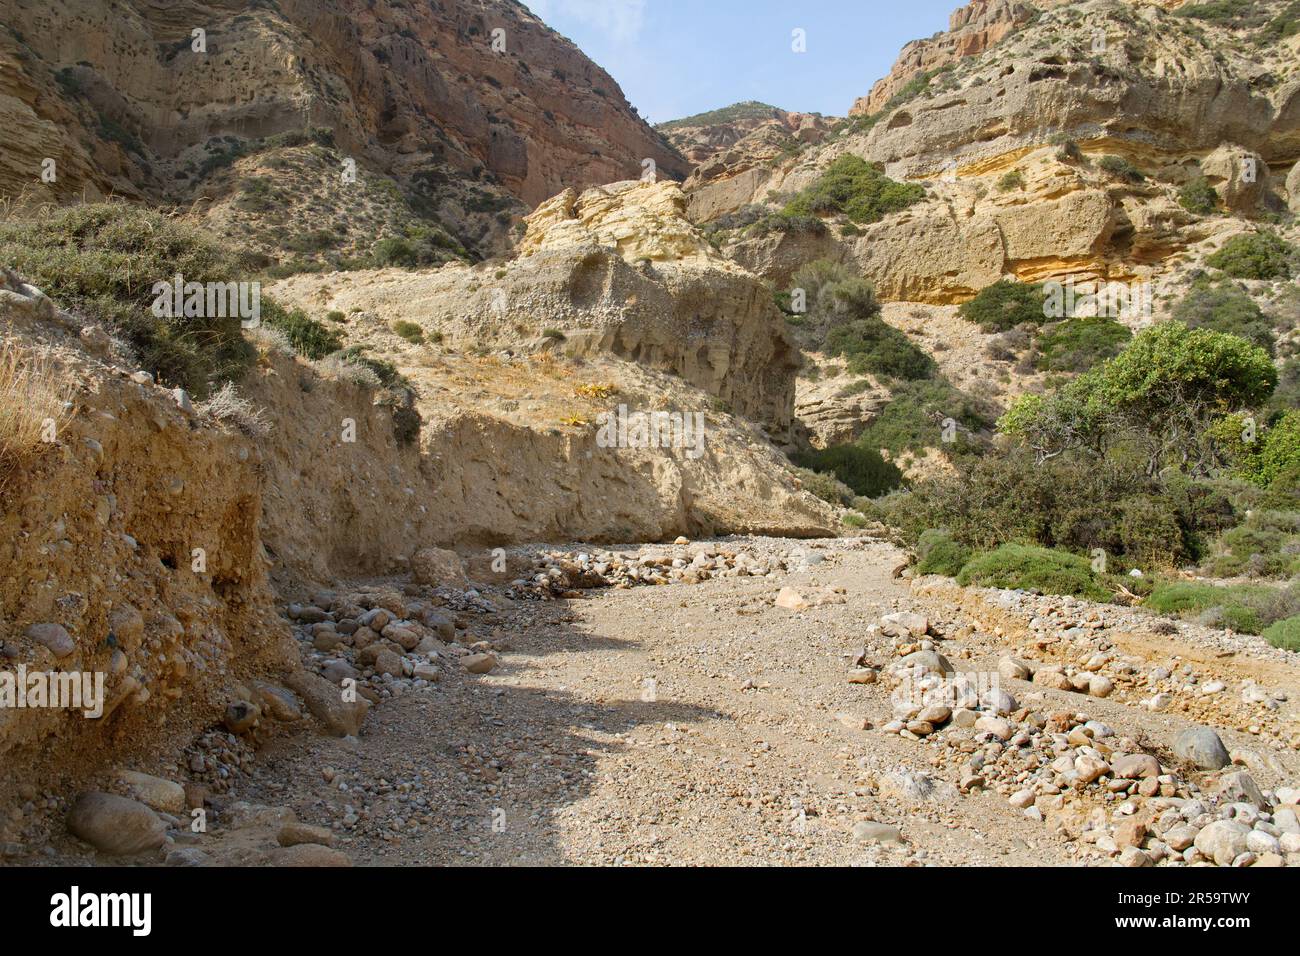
(1012,147)
(617,270)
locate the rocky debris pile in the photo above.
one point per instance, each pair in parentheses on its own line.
(567,573)
(1074,616)
(220,759)
(1115,796)
(160,823)
(387,642)
(1078,637)
(1118,799)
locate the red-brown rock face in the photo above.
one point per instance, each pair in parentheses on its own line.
(119,95)
(972,29)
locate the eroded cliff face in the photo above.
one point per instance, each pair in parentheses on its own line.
(118,95)
(617,270)
(972,29)
(1010,142)
(147,540)
(132,551)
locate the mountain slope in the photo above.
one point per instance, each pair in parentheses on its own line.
(426,93)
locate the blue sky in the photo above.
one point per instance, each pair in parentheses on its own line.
(674,58)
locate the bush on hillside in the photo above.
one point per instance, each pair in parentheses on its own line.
(914,420)
(873,347)
(1284,633)
(1225,307)
(1259,255)
(1161,392)
(1198,197)
(1245,608)
(411,331)
(1034,569)
(309,338)
(938,553)
(1266,544)
(1004,305)
(1121,168)
(1076,345)
(1064,503)
(825,486)
(103,259)
(853,187)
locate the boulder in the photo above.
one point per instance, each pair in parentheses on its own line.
(116,825)
(157,792)
(435,567)
(1223,841)
(53,636)
(1201,747)
(325,702)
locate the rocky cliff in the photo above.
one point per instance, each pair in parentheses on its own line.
(128,99)
(1058,152)
(616,270)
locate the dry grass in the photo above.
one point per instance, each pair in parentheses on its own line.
(32,397)
(228,407)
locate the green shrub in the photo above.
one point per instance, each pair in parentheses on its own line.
(1121,168)
(913,420)
(1012,180)
(1286,395)
(874,347)
(1162,391)
(1260,255)
(336,315)
(1285,24)
(855,188)
(1284,633)
(1242,607)
(938,553)
(410,331)
(1231,12)
(395,251)
(1004,305)
(1076,345)
(824,486)
(863,470)
(819,279)
(1199,197)
(1038,569)
(1067,503)
(1266,545)
(103,259)
(309,338)
(385,371)
(1225,307)
(1277,451)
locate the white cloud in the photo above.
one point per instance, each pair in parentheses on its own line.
(621,20)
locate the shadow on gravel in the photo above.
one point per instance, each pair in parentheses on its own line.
(501,764)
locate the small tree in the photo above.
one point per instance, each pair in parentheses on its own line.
(1162,393)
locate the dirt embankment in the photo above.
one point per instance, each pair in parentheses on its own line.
(151,536)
